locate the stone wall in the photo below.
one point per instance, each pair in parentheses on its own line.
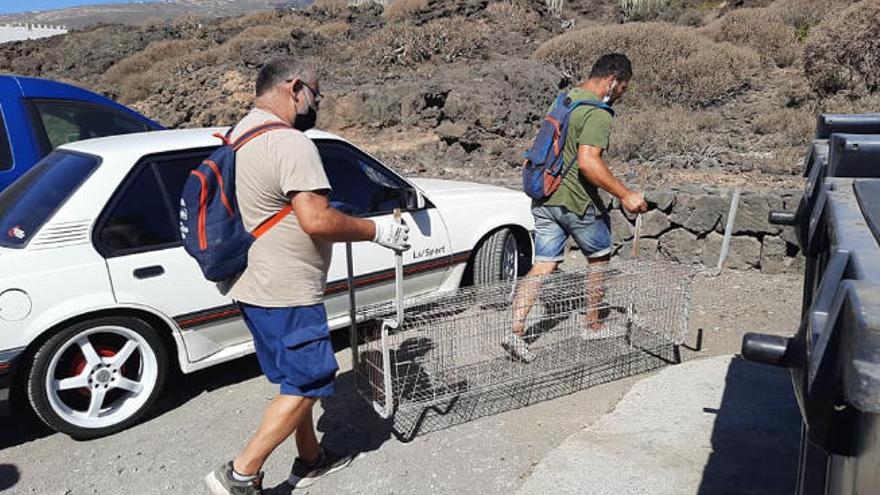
(687,225)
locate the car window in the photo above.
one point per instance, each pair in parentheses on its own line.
(32,199)
(64,121)
(5,149)
(174,172)
(143,215)
(360,185)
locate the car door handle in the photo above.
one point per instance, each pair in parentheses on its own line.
(149,271)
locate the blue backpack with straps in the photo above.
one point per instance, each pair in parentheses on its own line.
(210,224)
(544,165)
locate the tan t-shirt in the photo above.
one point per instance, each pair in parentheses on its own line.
(286,266)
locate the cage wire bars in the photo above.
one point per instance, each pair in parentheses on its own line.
(586,326)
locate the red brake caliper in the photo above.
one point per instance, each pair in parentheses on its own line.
(78,364)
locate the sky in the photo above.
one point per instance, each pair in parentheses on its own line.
(17,6)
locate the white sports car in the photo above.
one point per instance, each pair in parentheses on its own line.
(98,300)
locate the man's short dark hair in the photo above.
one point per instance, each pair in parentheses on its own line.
(280,70)
(612,64)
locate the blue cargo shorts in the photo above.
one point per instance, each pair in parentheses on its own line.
(553,225)
(293,347)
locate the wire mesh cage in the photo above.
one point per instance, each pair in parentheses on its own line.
(454,345)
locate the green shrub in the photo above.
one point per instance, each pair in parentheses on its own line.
(671,64)
(843,51)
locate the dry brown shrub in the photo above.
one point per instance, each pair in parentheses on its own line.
(251,41)
(786,160)
(791,126)
(135,76)
(333,30)
(850,104)
(802,15)
(335,8)
(843,51)
(664,132)
(762,30)
(672,64)
(514,17)
(443,40)
(257,33)
(157,51)
(400,10)
(243,22)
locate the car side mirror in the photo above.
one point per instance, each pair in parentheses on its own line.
(412,199)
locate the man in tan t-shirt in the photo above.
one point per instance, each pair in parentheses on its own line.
(281,291)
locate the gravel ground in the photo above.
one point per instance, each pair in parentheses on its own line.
(203,419)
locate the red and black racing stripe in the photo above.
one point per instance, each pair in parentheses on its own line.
(229,311)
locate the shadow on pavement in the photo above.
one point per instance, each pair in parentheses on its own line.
(756,434)
(23,425)
(180,389)
(9,476)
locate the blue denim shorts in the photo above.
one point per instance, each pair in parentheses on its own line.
(293,347)
(553,225)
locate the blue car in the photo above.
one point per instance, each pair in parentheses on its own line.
(37,115)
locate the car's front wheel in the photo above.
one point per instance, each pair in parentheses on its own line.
(497,258)
(97,377)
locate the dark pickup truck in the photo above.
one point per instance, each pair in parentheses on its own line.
(835,356)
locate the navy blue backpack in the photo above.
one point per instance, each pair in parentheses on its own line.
(544,169)
(210,223)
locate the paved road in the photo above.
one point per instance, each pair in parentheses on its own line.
(738,420)
(205,418)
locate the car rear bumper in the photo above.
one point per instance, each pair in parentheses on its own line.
(8,360)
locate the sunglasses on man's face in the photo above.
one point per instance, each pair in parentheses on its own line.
(315,93)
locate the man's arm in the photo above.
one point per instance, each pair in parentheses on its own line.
(317,218)
(594,168)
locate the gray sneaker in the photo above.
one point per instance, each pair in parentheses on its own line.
(304,474)
(221,482)
(517,347)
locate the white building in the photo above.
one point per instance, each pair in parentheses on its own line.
(15,32)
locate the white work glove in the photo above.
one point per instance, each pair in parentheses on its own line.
(391,234)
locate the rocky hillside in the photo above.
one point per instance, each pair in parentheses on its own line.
(724,92)
(139,12)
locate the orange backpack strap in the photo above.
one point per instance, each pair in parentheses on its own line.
(245,139)
(257,131)
(272,221)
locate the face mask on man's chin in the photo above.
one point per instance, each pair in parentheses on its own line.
(307,120)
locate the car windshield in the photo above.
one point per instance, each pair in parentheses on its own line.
(32,199)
